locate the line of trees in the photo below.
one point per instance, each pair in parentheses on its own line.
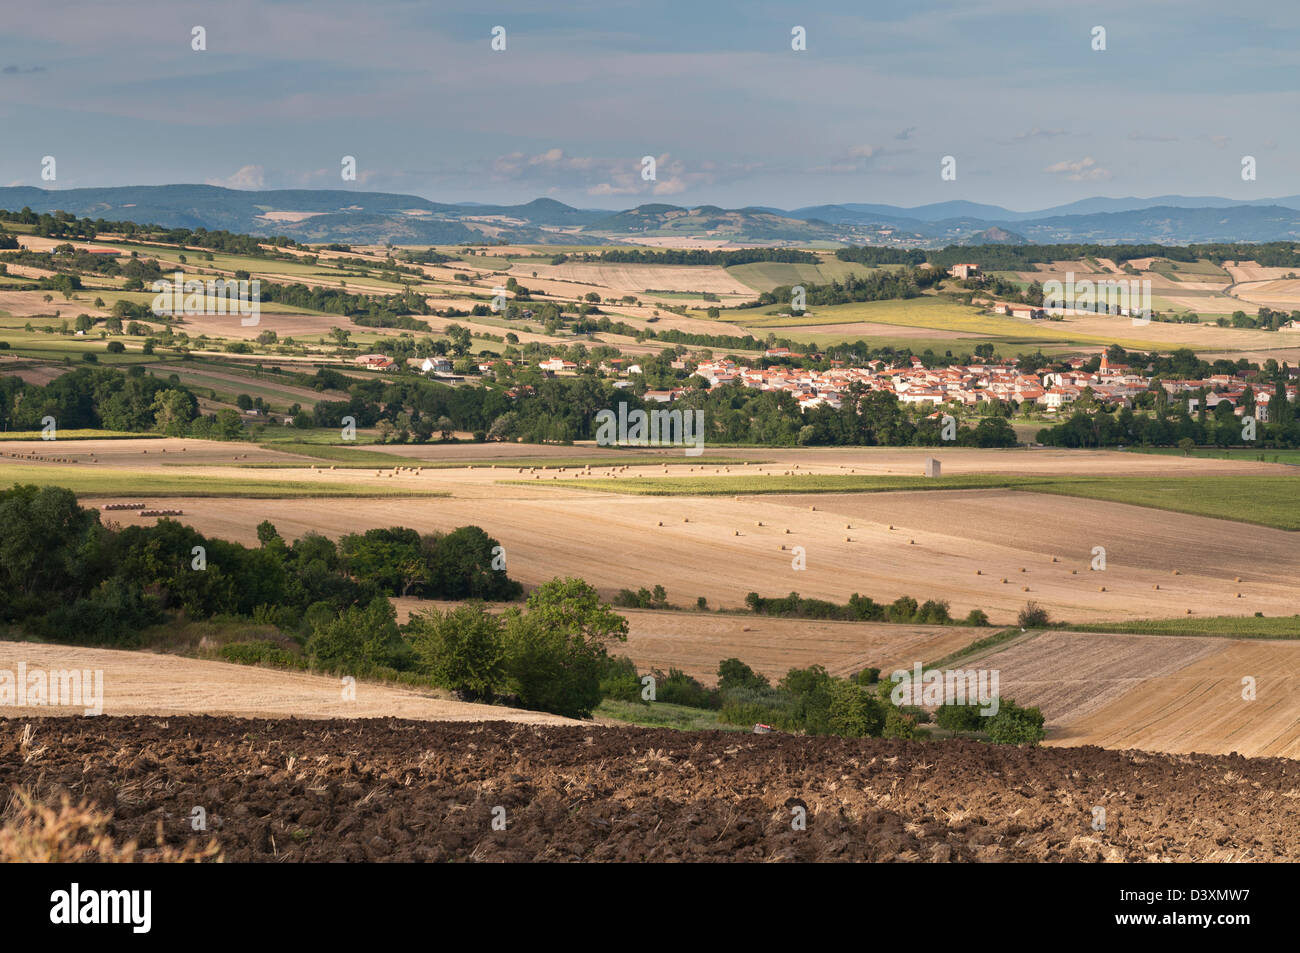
(1024,257)
(67,576)
(812,701)
(699,256)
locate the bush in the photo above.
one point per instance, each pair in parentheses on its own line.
(1033,616)
(959,718)
(852,712)
(259,653)
(360,640)
(1013,725)
(902,609)
(976,617)
(461,649)
(116,347)
(933,612)
(735,675)
(898,724)
(550,670)
(678,688)
(621,681)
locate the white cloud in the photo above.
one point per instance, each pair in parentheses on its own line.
(1080,170)
(248,177)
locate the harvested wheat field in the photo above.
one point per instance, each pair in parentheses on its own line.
(696,642)
(967,547)
(634,279)
(147,684)
(395,790)
(1177,694)
(1198,705)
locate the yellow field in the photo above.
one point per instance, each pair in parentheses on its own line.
(1157,693)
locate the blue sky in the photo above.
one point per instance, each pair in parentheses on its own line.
(1033,115)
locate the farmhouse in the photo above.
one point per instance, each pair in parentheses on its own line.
(375,362)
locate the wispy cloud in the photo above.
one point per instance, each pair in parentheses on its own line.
(1080,170)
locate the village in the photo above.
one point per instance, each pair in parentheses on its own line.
(967,385)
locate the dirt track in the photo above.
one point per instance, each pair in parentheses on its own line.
(398,790)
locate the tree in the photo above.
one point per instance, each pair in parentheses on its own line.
(173,411)
(462,649)
(1033,616)
(853,712)
(228,425)
(1013,725)
(556,651)
(733,674)
(359,640)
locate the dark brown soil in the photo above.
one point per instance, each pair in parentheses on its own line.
(404,790)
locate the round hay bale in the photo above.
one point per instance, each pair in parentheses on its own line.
(848,539)
(1189,611)
(1101,588)
(1004,580)
(1177,573)
(1156,586)
(660,523)
(736,532)
(1074,572)
(1024,588)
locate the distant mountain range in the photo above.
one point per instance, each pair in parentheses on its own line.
(330,215)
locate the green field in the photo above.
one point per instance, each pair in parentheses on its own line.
(930,311)
(1201,270)
(1228,626)
(1291,457)
(1262,500)
(664,715)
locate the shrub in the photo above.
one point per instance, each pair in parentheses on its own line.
(852,712)
(959,718)
(461,649)
(678,688)
(734,675)
(1033,616)
(621,681)
(933,612)
(898,724)
(902,609)
(259,653)
(116,347)
(1013,725)
(360,640)
(549,669)
(976,617)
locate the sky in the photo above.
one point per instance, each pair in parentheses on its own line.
(1014,92)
